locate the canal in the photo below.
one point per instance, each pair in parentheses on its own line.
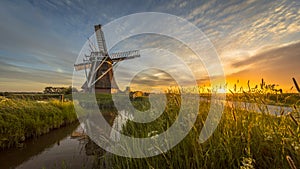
(61,148)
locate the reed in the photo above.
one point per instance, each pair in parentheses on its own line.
(291,162)
(296,85)
(243,138)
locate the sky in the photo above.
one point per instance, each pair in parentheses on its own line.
(41,40)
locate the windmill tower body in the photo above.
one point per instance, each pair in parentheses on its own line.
(105,84)
(100,64)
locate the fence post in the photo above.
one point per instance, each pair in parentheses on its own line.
(62,98)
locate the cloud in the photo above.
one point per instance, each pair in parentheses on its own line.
(278,65)
(25,40)
(44,37)
(277,57)
(238,29)
(37,75)
(247,25)
(161,52)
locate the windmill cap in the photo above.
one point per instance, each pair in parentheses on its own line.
(97,27)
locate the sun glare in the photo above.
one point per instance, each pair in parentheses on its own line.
(222,90)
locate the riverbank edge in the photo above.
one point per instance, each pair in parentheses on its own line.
(21,120)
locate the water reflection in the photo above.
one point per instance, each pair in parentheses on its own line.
(262,108)
(14,157)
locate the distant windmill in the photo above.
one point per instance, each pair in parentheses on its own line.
(101,65)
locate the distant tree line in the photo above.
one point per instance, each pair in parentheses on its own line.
(59,90)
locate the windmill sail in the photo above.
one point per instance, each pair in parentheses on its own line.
(119,56)
(124,55)
(100,39)
(82,66)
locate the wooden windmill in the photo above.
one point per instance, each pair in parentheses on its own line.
(100,65)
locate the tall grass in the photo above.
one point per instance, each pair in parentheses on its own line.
(22,119)
(243,138)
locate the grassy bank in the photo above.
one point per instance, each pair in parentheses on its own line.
(243,139)
(22,119)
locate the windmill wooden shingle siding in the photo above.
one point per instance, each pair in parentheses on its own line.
(98,65)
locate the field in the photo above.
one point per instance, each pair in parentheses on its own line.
(243,139)
(21,119)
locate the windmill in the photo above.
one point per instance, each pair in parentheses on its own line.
(100,64)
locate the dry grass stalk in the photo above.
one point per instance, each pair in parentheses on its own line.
(291,162)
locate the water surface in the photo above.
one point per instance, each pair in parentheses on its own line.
(56,149)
